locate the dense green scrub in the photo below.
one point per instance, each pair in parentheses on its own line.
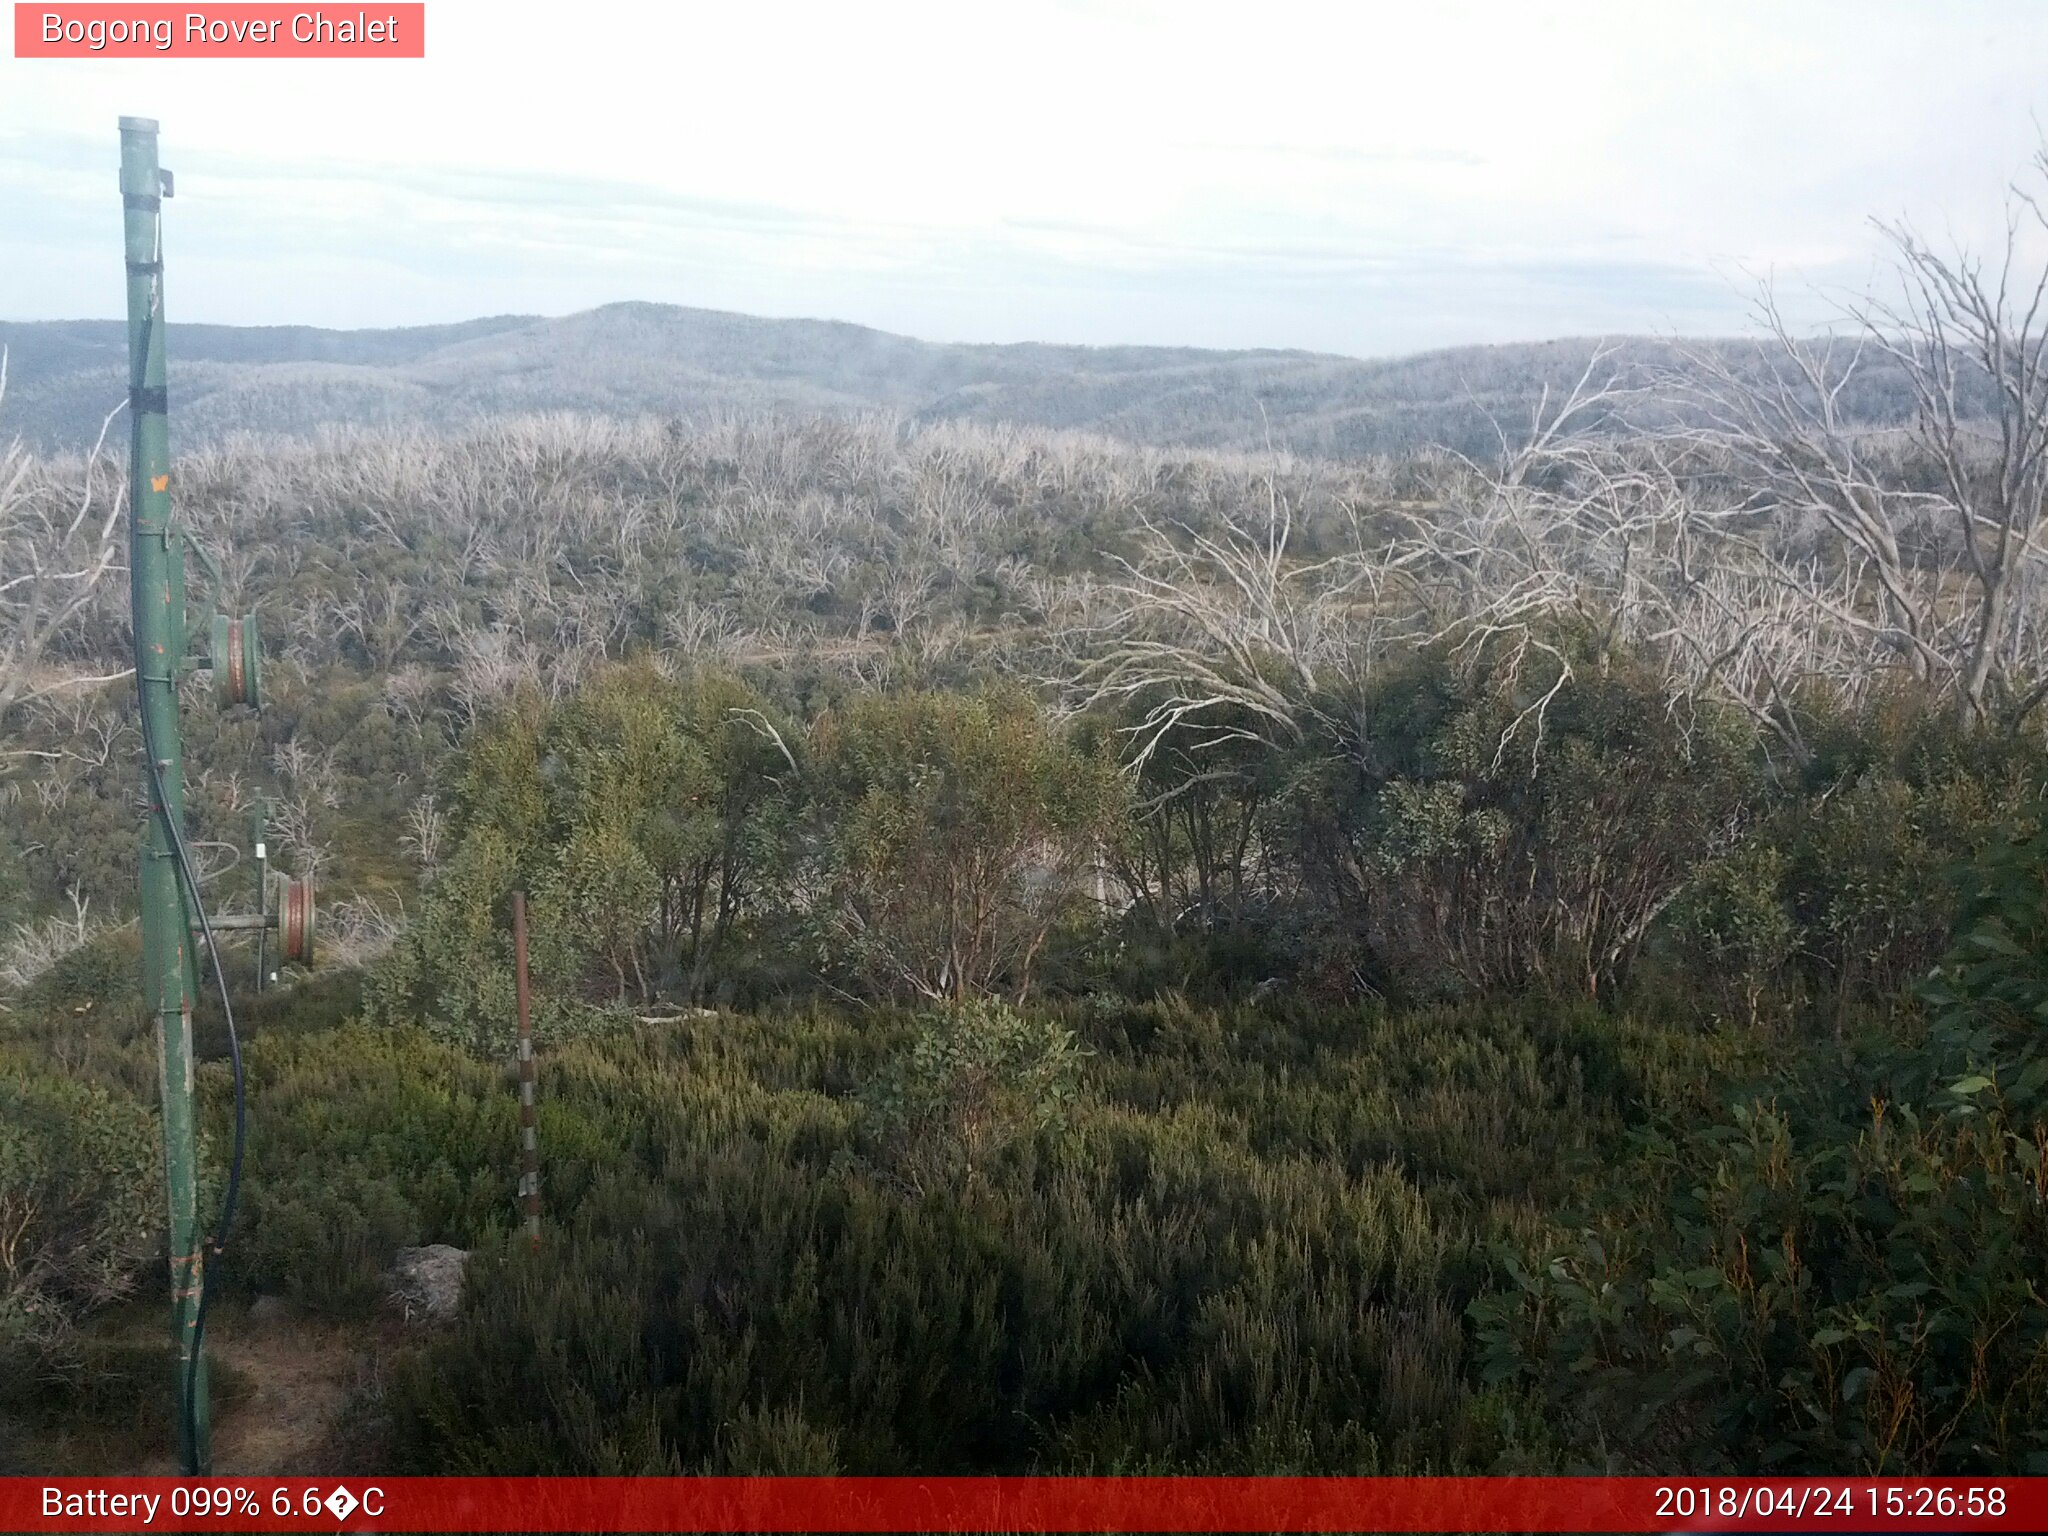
(1844,1271)
(1192,1239)
(1116,1236)
(1425,1107)
(1215,1259)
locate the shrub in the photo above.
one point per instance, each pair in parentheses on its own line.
(363,1141)
(1843,1273)
(80,1204)
(1896,795)
(1734,931)
(1486,836)
(973,1079)
(963,828)
(1247,1248)
(647,819)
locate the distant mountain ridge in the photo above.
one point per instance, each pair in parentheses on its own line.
(639,359)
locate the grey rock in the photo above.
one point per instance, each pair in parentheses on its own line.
(426,1283)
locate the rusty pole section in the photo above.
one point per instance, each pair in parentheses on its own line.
(529,1135)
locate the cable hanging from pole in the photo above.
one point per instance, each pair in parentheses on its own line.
(182,855)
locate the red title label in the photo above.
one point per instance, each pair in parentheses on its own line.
(1037,1504)
(385,31)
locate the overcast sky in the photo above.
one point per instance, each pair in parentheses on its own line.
(1348,177)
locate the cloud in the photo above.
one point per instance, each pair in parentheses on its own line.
(1361,179)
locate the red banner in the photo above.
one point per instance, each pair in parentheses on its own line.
(762,1504)
(102,31)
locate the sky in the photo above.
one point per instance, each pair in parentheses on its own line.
(1362,178)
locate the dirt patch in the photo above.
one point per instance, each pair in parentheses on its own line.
(293,1380)
(284,1390)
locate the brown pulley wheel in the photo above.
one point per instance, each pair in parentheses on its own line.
(237,661)
(295,922)
(238,672)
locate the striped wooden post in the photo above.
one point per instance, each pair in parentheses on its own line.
(529,1135)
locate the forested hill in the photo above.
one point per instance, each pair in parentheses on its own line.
(653,359)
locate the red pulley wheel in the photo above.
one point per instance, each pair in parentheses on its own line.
(295,922)
(237,661)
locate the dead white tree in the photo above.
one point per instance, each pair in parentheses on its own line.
(1759,537)
(492,665)
(356,931)
(1957,318)
(56,548)
(1562,537)
(382,617)
(697,630)
(426,836)
(409,695)
(1587,547)
(1927,539)
(35,947)
(904,589)
(1228,635)
(292,823)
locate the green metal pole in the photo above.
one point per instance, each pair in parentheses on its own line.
(259,825)
(157,594)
